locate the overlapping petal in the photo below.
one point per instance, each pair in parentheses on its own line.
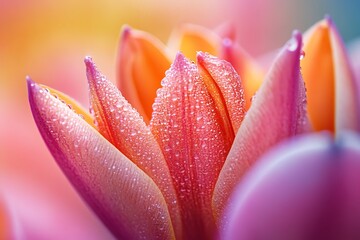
(277,113)
(331,88)
(135,208)
(250,72)
(122,125)
(141,64)
(307,188)
(190,39)
(195,136)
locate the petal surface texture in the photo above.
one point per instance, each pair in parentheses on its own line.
(125,129)
(330,83)
(195,138)
(277,112)
(122,195)
(250,73)
(141,64)
(307,188)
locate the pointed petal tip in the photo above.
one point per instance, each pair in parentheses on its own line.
(88,60)
(180,59)
(91,69)
(328,19)
(200,56)
(125,32)
(29,81)
(295,43)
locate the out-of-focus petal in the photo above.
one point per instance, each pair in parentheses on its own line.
(224,85)
(355,60)
(125,129)
(307,188)
(9,228)
(192,136)
(278,112)
(250,73)
(330,83)
(141,64)
(122,195)
(190,39)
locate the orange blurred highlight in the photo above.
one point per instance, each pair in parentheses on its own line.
(318,73)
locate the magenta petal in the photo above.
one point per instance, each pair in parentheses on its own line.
(122,195)
(307,188)
(278,112)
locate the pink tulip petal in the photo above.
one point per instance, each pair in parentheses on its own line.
(142,61)
(122,125)
(278,112)
(192,136)
(122,195)
(224,85)
(250,73)
(306,188)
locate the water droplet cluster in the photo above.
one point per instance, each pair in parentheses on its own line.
(96,168)
(188,128)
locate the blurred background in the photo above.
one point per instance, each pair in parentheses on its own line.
(48,41)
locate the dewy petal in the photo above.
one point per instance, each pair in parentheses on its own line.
(330,83)
(224,85)
(72,104)
(190,39)
(122,195)
(141,64)
(125,129)
(250,73)
(307,188)
(191,134)
(278,112)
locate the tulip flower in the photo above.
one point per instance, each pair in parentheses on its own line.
(158,180)
(161,159)
(306,188)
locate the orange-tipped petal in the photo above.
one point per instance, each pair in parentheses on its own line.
(224,85)
(72,104)
(125,129)
(278,112)
(250,73)
(330,84)
(191,134)
(141,64)
(123,196)
(190,39)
